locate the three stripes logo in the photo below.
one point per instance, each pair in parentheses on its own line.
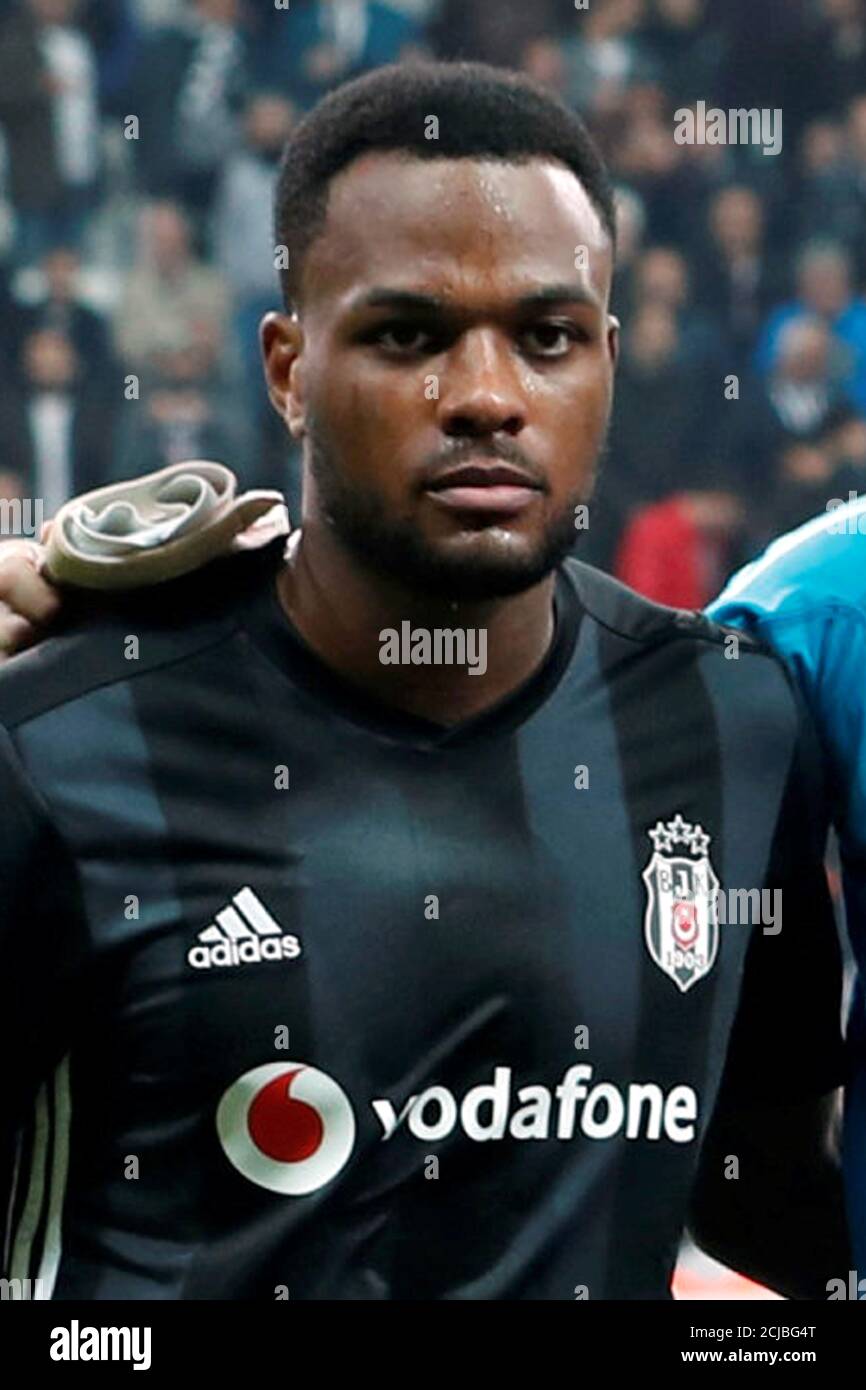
(32,1247)
(244,933)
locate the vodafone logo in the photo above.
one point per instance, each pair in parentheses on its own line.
(286,1126)
(290,1128)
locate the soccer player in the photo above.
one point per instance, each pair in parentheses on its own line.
(360,902)
(806,598)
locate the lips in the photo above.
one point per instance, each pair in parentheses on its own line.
(493,488)
(482,475)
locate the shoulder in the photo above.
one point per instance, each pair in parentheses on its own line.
(734,666)
(806,598)
(819,567)
(171,623)
(639,621)
(679,669)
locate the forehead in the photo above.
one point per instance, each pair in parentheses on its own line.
(456,224)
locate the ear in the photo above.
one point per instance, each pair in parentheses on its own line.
(282,343)
(613,339)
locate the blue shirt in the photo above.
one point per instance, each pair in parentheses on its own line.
(848,328)
(806,597)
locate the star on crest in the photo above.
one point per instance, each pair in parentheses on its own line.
(700,840)
(660,837)
(679,832)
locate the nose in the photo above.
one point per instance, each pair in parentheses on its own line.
(481,393)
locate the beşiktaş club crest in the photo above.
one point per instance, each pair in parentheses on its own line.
(680,925)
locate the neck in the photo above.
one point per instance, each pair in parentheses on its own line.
(341,609)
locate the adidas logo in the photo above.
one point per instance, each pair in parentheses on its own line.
(242,934)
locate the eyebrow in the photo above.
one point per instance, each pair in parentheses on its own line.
(407,300)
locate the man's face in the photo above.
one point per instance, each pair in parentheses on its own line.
(166,235)
(60,268)
(662,278)
(451,320)
(804,352)
(736,218)
(825,285)
(49,360)
(267,124)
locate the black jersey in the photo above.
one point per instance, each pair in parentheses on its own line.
(307,997)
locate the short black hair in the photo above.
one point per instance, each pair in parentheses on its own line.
(483,113)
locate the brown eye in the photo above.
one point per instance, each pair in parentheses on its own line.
(403,338)
(550,339)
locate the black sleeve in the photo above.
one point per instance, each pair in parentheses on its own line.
(786,1040)
(777,1214)
(42,944)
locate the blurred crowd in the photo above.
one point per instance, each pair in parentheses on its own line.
(139,141)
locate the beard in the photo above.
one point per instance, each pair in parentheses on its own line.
(492,567)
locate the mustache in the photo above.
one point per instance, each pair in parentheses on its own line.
(458,451)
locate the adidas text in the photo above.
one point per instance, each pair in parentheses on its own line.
(244,952)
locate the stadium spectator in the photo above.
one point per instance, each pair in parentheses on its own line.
(242,229)
(310,47)
(686,48)
(50,118)
(661,277)
(835,55)
(829,203)
(498,33)
(855,131)
(824,288)
(679,202)
(172,302)
(60,307)
(845,437)
(113,30)
(842,441)
(803,483)
(798,398)
(669,427)
(674,181)
(658,414)
(10,322)
(767,58)
(802,474)
(630,227)
(736,276)
(188,90)
(181,418)
(604,54)
(798,403)
(677,551)
(56,429)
